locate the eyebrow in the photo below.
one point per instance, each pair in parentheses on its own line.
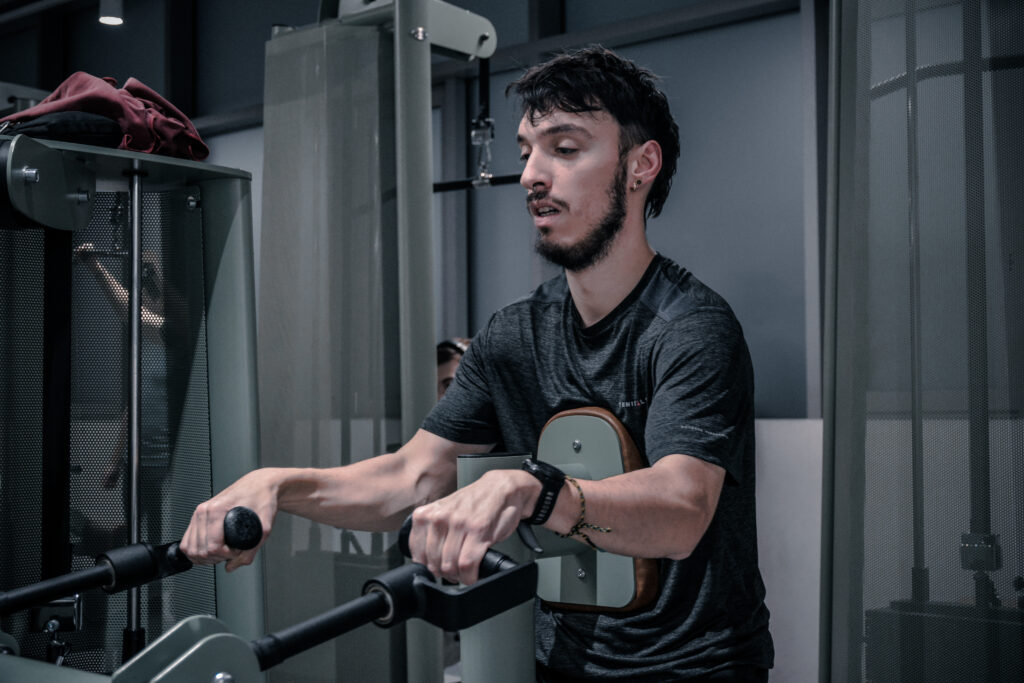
(559,130)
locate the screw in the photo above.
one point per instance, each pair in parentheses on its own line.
(419,33)
(576,445)
(29,175)
(192,203)
(581,574)
(223,677)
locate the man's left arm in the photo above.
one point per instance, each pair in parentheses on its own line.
(657,511)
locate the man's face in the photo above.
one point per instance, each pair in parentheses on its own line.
(575,180)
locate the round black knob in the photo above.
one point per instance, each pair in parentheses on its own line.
(242,529)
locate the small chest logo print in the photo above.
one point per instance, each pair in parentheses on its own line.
(638,403)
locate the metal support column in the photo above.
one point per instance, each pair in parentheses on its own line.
(414,172)
(134,634)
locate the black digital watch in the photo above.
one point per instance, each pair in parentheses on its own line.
(551,479)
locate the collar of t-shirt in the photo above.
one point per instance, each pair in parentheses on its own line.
(608,322)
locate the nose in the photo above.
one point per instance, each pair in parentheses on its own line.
(535,176)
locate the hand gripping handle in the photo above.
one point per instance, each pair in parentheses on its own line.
(492,563)
(134,565)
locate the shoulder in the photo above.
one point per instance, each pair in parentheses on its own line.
(674,295)
(525,318)
(550,295)
(693,317)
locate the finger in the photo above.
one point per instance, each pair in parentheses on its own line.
(469,562)
(417,536)
(435,533)
(242,559)
(451,550)
(209,538)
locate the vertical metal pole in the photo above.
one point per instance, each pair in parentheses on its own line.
(414,171)
(919,573)
(134,401)
(977,304)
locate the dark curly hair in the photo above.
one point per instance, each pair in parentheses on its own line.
(596,79)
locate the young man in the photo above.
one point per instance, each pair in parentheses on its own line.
(623,328)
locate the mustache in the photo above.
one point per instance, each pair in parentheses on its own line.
(540,195)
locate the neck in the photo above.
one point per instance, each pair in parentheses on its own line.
(597,290)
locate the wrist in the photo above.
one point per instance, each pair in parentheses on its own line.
(552,481)
(283,484)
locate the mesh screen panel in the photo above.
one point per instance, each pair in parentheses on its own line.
(174,413)
(929,348)
(21,364)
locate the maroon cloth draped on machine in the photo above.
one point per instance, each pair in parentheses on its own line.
(149,122)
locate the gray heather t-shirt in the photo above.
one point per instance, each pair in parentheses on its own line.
(671,364)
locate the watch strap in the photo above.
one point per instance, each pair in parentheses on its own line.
(552,479)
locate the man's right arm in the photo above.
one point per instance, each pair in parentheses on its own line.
(372,495)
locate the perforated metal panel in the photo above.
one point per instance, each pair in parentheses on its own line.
(928,349)
(21,365)
(175,425)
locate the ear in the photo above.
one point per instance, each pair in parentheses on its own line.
(644,163)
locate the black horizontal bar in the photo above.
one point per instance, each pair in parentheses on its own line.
(899,81)
(470,183)
(58,587)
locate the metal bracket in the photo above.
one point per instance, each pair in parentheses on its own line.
(53,187)
(456,32)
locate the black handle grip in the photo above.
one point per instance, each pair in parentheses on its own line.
(132,565)
(242,529)
(492,562)
(141,563)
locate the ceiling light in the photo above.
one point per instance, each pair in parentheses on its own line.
(111,12)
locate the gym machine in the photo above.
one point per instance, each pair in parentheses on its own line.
(494,616)
(54,195)
(201,648)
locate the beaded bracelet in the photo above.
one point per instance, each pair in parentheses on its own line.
(582,524)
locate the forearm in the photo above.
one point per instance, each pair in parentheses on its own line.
(371,495)
(660,511)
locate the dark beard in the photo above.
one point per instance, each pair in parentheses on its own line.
(595,244)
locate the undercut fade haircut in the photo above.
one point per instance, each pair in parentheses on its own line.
(596,79)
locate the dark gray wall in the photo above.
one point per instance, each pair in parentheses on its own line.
(230,35)
(206,57)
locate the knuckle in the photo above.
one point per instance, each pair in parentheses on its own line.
(467,564)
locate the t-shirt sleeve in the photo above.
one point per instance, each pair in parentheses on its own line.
(703,391)
(465,414)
